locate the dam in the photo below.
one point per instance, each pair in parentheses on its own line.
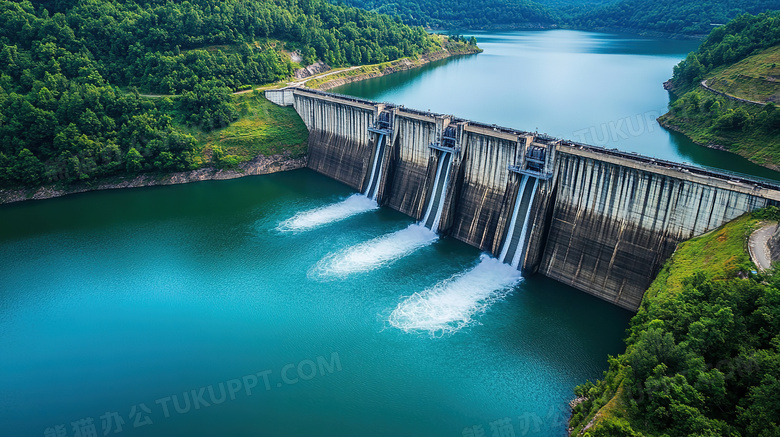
(600,220)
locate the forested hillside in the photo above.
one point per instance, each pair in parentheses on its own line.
(703,352)
(728,44)
(680,17)
(739,59)
(463,14)
(72,75)
(668,17)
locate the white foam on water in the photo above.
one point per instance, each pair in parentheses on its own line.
(313,218)
(451,305)
(375,253)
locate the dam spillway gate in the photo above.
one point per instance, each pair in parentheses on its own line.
(600,220)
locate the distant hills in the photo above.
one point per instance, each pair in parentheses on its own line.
(463,14)
(668,17)
(680,17)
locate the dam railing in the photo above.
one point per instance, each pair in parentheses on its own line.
(344,97)
(718,173)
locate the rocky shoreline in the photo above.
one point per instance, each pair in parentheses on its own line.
(258,166)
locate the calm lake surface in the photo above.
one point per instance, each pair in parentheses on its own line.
(203,309)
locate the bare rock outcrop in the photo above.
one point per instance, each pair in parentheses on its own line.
(774,246)
(311,70)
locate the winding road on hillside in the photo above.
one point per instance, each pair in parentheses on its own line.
(729,96)
(758,247)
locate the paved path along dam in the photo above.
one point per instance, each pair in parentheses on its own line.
(600,220)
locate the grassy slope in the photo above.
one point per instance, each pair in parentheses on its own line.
(267,129)
(755,78)
(262,129)
(757,145)
(718,254)
(745,79)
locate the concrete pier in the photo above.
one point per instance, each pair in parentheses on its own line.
(414,163)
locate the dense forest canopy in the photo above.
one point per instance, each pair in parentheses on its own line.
(463,14)
(679,17)
(71,73)
(687,17)
(728,44)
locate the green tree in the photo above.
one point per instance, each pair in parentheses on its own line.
(134,162)
(28,168)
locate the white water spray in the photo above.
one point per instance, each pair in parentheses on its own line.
(521,243)
(452,304)
(513,222)
(437,195)
(375,253)
(383,250)
(313,218)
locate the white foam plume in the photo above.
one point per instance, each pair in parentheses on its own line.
(313,218)
(452,304)
(375,253)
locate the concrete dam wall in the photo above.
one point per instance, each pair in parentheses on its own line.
(409,186)
(615,221)
(339,144)
(600,220)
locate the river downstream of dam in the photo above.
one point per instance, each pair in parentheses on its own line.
(288,304)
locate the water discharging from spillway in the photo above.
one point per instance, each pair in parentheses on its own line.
(436,204)
(376,169)
(383,250)
(453,304)
(352,205)
(375,253)
(514,243)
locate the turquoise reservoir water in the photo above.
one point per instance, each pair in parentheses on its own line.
(182,296)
